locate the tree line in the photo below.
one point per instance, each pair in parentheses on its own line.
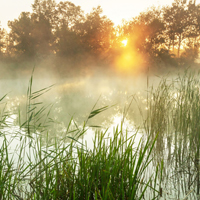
(167,36)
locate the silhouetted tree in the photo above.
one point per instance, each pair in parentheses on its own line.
(31,35)
(21,40)
(97,33)
(2,41)
(192,32)
(67,41)
(46,9)
(68,14)
(176,23)
(44,21)
(146,34)
(63,30)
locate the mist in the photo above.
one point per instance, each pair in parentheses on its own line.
(64,71)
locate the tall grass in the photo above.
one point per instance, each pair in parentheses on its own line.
(174,113)
(38,169)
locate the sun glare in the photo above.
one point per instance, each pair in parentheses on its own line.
(129,61)
(124,42)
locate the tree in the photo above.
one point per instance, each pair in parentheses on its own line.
(175,19)
(21,39)
(97,33)
(44,21)
(67,34)
(67,42)
(2,40)
(45,9)
(31,34)
(193,28)
(146,34)
(69,14)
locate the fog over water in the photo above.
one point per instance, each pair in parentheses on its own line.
(76,95)
(68,77)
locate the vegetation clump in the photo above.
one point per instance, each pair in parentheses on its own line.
(61,36)
(164,163)
(40,169)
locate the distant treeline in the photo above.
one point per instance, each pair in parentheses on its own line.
(167,36)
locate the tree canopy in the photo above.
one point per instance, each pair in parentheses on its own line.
(167,36)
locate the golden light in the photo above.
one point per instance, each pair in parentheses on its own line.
(124,42)
(129,61)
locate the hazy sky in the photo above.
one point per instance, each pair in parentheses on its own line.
(116,10)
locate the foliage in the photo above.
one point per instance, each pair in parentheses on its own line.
(174,112)
(113,169)
(158,36)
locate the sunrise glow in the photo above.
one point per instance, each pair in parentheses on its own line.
(129,61)
(124,42)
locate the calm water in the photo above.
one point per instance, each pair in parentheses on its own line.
(76,97)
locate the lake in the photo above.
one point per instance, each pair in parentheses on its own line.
(127,98)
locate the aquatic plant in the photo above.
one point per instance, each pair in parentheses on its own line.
(41,169)
(174,113)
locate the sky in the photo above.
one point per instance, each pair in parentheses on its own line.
(116,10)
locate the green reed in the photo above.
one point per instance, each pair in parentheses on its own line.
(174,113)
(114,169)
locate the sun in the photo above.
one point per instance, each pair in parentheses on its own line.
(124,42)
